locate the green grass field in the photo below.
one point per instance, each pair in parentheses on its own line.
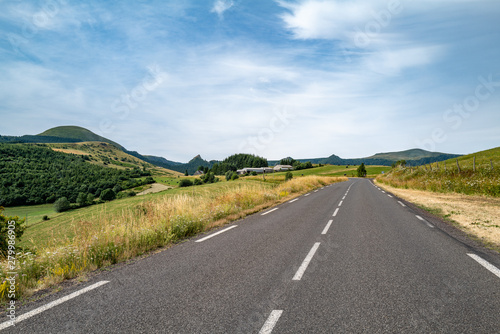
(445,176)
(33,213)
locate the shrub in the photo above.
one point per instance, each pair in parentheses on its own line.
(5,232)
(108,195)
(62,204)
(81,200)
(197,182)
(185,183)
(45,217)
(361,170)
(234,176)
(288,176)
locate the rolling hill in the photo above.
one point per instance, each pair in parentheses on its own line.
(77,133)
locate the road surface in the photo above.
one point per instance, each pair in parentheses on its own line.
(348,258)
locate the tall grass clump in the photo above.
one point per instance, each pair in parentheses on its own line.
(111,237)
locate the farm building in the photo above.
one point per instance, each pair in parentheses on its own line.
(282,168)
(261,170)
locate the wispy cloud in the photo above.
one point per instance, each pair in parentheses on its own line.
(220,6)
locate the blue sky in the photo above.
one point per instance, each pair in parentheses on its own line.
(306,78)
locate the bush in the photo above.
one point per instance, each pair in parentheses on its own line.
(108,195)
(185,183)
(62,204)
(197,182)
(45,217)
(288,176)
(361,170)
(81,200)
(6,235)
(234,176)
(229,174)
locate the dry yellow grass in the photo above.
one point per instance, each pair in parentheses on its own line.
(70,151)
(478,216)
(114,236)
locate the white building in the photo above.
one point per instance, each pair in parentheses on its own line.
(282,168)
(261,170)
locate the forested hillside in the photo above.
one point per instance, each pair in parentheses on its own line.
(238,161)
(31,174)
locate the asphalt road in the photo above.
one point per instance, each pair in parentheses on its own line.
(347,258)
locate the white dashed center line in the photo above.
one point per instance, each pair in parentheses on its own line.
(271,322)
(327,227)
(305,263)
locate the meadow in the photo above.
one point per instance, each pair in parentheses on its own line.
(474,174)
(80,241)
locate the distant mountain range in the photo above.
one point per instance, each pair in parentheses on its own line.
(414,157)
(75,134)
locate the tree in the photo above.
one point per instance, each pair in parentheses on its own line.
(186,173)
(11,230)
(62,204)
(90,199)
(228,175)
(288,176)
(361,170)
(185,183)
(108,195)
(81,200)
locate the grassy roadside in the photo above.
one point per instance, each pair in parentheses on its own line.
(473,174)
(478,216)
(78,242)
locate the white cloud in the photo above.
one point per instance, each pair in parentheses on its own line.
(220,6)
(321,19)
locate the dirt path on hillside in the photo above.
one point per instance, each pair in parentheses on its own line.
(476,215)
(155,188)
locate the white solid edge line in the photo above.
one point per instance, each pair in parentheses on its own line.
(336,211)
(216,233)
(327,227)
(265,213)
(271,322)
(486,264)
(305,263)
(51,305)
(293,200)
(402,204)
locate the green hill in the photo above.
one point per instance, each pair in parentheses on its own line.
(414,154)
(484,159)
(78,133)
(445,176)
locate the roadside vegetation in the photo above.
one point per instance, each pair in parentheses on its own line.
(475,174)
(76,242)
